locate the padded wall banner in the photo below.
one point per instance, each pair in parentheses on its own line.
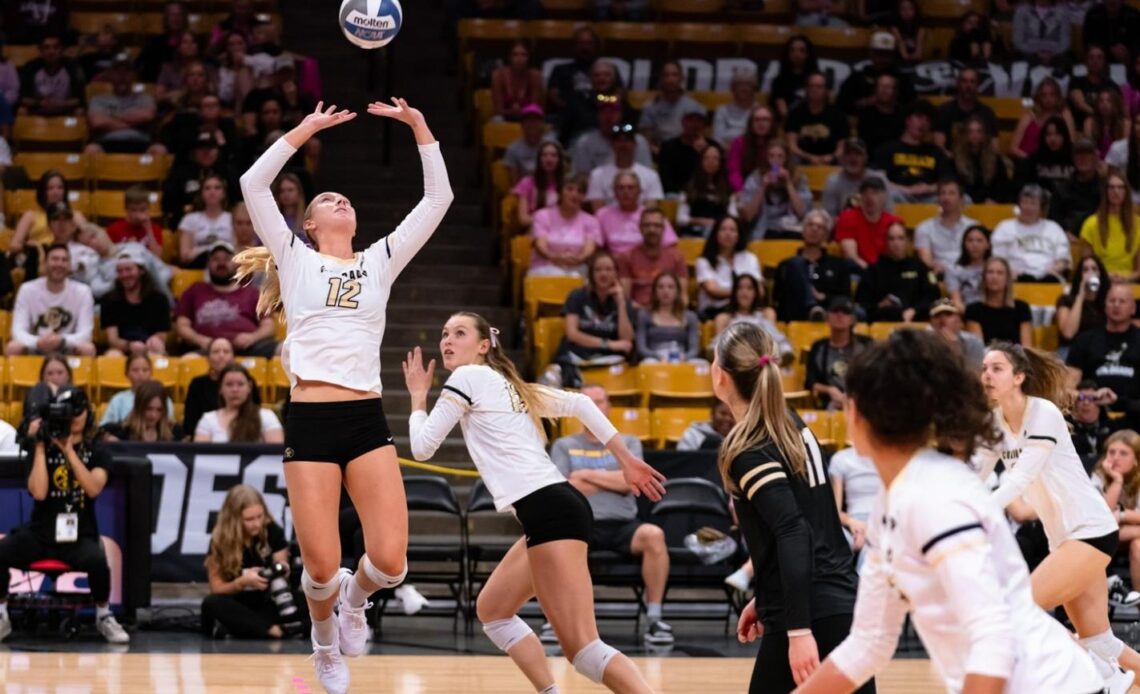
(190,483)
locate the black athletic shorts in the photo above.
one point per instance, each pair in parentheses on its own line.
(335,432)
(614,535)
(555,512)
(1106,543)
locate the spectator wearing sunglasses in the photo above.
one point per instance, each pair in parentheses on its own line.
(1089,422)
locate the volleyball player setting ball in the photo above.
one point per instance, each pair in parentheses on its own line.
(500,415)
(334,302)
(1042,467)
(938,546)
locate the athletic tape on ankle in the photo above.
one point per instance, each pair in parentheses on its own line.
(1105,645)
(379,577)
(505,633)
(320,592)
(592,660)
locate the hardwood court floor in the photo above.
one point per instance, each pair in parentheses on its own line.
(190,673)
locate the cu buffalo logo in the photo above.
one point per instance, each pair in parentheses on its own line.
(55,318)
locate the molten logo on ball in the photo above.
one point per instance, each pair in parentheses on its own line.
(371,23)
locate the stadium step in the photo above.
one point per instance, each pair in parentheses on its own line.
(424,334)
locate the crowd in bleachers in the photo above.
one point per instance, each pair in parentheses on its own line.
(123,130)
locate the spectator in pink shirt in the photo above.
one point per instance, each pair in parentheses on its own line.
(750,151)
(621,222)
(565,235)
(549,175)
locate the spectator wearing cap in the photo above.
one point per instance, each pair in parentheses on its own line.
(521,155)
(1078,197)
(775,199)
(121,120)
(679,156)
(135,315)
(221,307)
(827,361)
(620,221)
(1036,247)
(185,180)
(899,286)
(594,147)
(51,85)
(87,244)
(602,178)
(1042,33)
(862,231)
(730,120)
(883,120)
(858,90)
(661,118)
(815,128)
(938,240)
(516,84)
(639,266)
(53,313)
(841,189)
(581,112)
(950,122)
(809,280)
(912,163)
(946,322)
(209,223)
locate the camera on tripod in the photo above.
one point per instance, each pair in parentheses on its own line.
(282,597)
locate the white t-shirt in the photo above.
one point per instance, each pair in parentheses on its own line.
(500,435)
(336,308)
(8,443)
(939,549)
(1031,249)
(743,263)
(1044,469)
(38,311)
(943,242)
(602,183)
(860,480)
(205,231)
(209,426)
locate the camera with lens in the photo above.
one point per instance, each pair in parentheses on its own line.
(58,413)
(282,597)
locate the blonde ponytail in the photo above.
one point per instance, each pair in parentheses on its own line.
(252,261)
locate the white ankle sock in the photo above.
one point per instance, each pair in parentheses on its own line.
(324,631)
(354,593)
(101,612)
(552,689)
(653,611)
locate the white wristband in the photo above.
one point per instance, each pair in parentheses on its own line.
(793,633)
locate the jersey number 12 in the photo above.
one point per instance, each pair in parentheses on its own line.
(342,294)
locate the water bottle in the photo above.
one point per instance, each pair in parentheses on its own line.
(673,353)
(1093,283)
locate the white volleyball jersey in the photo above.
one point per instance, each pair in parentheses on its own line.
(940,549)
(335,308)
(1043,467)
(500,434)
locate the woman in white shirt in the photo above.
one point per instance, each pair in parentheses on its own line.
(857,487)
(500,415)
(938,547)
(1043,468)
(238,418)
(1036,247)
(725,255)
(208,223)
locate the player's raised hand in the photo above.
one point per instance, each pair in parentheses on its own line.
(322,118)
(399,110)
(417,378)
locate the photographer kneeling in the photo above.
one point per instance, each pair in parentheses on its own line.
(248,568)
(68,472)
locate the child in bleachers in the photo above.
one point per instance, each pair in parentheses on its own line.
(137,225)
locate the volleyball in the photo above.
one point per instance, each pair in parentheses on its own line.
(371,23)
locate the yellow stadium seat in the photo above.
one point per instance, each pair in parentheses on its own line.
(703,39)
(1038,293)
(690,248)
(840,43)
(72,166)
(258,368)
(19,55)
(500,177)
(708,334)
(634,421)
(635,39)
(484,106)
(498,135)
(547,336)
(1045,337)
(110,377)
(950,9)
(772,252)
(669,423)
(4,413)
(689,7)
(990,215)
(567,5)
(883,329)
(97,88)
(763,41)
(509,216)
(839,428)
(170,246)
(280,329)
(545,293)
(820,423)
(1008,109)
(182,280)
(109,205)
(619,380)
(712,100)
(803,333)
(638,98)
(165,371)
(6,326)
(914,214)
(23,373)
(129,169)
(202,23)
(521,247)
(94,22)
(675,381)
(54,131)
(100,410)
(17,202)
(817,176)
(15,412)
(81,371)
(669,207)
(277,384)
(190,368)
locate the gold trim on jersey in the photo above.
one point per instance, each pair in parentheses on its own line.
(755,471)
(770,477)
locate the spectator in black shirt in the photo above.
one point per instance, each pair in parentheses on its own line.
(816,129)
(858,90)
(680,155)
(973,42)
(1051,164)
(796,63)
(1090,425)
(185,180)
(98,60)
(163,47)
(580,114)
(912,164)
(829,357)
(135,315)
(804,572)
(883,120)
(979,166)
(572,80)
(809,280)
(1114,25)
(1084,90)
(202,393)
(1078,197)
(1111,355)
(952,115)
(68,473)
(245,543)
(898,287)
(998,316)
(51,85)
(181,134)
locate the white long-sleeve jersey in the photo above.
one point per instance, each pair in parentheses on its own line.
(940,549)
(1043,467)
(336,308)
(500,434)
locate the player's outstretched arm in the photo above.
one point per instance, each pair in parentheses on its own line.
(400,111)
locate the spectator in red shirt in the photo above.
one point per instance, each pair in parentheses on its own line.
(644,262)
(137,224)
(862,230)
(220,307)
